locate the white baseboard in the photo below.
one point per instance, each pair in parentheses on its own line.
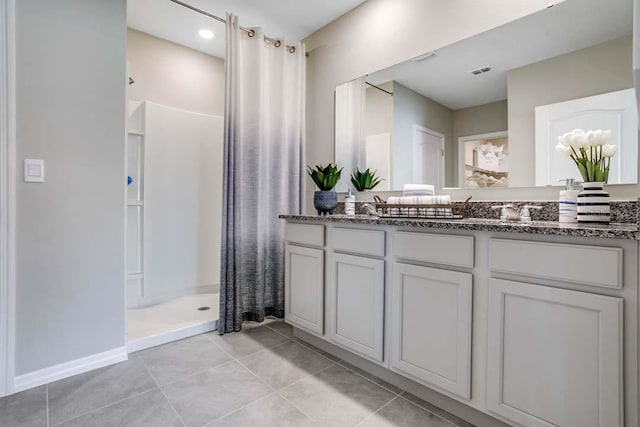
(69,369)
(178,334)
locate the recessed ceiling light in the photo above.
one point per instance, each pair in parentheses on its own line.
(424,56)
(205,34)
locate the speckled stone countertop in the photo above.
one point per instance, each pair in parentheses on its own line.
(627,230)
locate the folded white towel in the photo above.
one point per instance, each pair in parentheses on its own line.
(444,199)
(418,190)
(421,200)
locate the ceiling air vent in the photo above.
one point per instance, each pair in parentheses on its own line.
(480,70)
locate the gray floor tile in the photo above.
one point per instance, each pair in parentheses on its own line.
(247,324)
(281,327)
(402,413)
(174,361)
(370,377)
(317,350)
(434,409)
(269,320)
(337,397)
(248,341)
(74,396)
(150,409)
(268,412)
(211,394)
(24,409)
(285,364)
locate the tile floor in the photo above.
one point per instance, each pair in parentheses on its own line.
(261,376)
(175,314)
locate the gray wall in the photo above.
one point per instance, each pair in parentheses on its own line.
(352,46)
(591,71)
(477,120)
(411,108)
(379,114)
(174,75)
(71,73)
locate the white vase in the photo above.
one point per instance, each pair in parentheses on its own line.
(594,206)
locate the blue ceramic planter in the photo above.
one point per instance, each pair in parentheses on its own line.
(325,202)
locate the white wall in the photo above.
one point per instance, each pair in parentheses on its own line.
(71,73)
(380,33)
(379,114)
(170,74)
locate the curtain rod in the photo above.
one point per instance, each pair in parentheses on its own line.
(379,88)
(250,32)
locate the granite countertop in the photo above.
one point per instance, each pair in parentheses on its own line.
(552,228)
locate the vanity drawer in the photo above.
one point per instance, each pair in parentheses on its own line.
(436,248)
(588,265)
(365,242)
(305,234)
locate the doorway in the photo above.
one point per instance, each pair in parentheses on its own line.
(8,177)
(428,156)
(173,202)
(483,160)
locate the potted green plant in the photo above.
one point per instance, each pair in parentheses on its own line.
(591,153)
(364,181)
(326,178)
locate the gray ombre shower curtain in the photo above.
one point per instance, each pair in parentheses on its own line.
(263,172)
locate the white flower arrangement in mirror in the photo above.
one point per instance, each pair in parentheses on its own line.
(590,152)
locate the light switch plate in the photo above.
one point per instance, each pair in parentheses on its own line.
(33,170)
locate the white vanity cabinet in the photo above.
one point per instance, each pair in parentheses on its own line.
(356,304)
(555,356)
(430,310)
(356,291)
(431,327)
(304,277)
(528,329)
(565,345)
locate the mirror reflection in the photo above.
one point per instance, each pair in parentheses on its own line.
(487,111)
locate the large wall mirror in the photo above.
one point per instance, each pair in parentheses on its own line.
(487,111)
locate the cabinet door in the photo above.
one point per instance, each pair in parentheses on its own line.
(304,288)
(555,356)
(357,304)
(431,327)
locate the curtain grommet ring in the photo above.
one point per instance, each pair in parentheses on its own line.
(292,49)
(251,33)
(277,43)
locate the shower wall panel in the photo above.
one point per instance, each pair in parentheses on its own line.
(182,168)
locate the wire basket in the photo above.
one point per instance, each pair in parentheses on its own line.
(455,210)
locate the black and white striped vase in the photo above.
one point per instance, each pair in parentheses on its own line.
(593,204)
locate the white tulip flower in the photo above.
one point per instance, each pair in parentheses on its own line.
(578,138)
(609,150)
(593,138)
(561,148)
(587,150)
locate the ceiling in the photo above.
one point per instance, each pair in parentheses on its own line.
(568,26)
(290,19)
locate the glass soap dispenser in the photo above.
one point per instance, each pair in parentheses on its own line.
(568,202)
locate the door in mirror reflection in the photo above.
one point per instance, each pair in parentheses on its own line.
(614,111)
(428,157)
